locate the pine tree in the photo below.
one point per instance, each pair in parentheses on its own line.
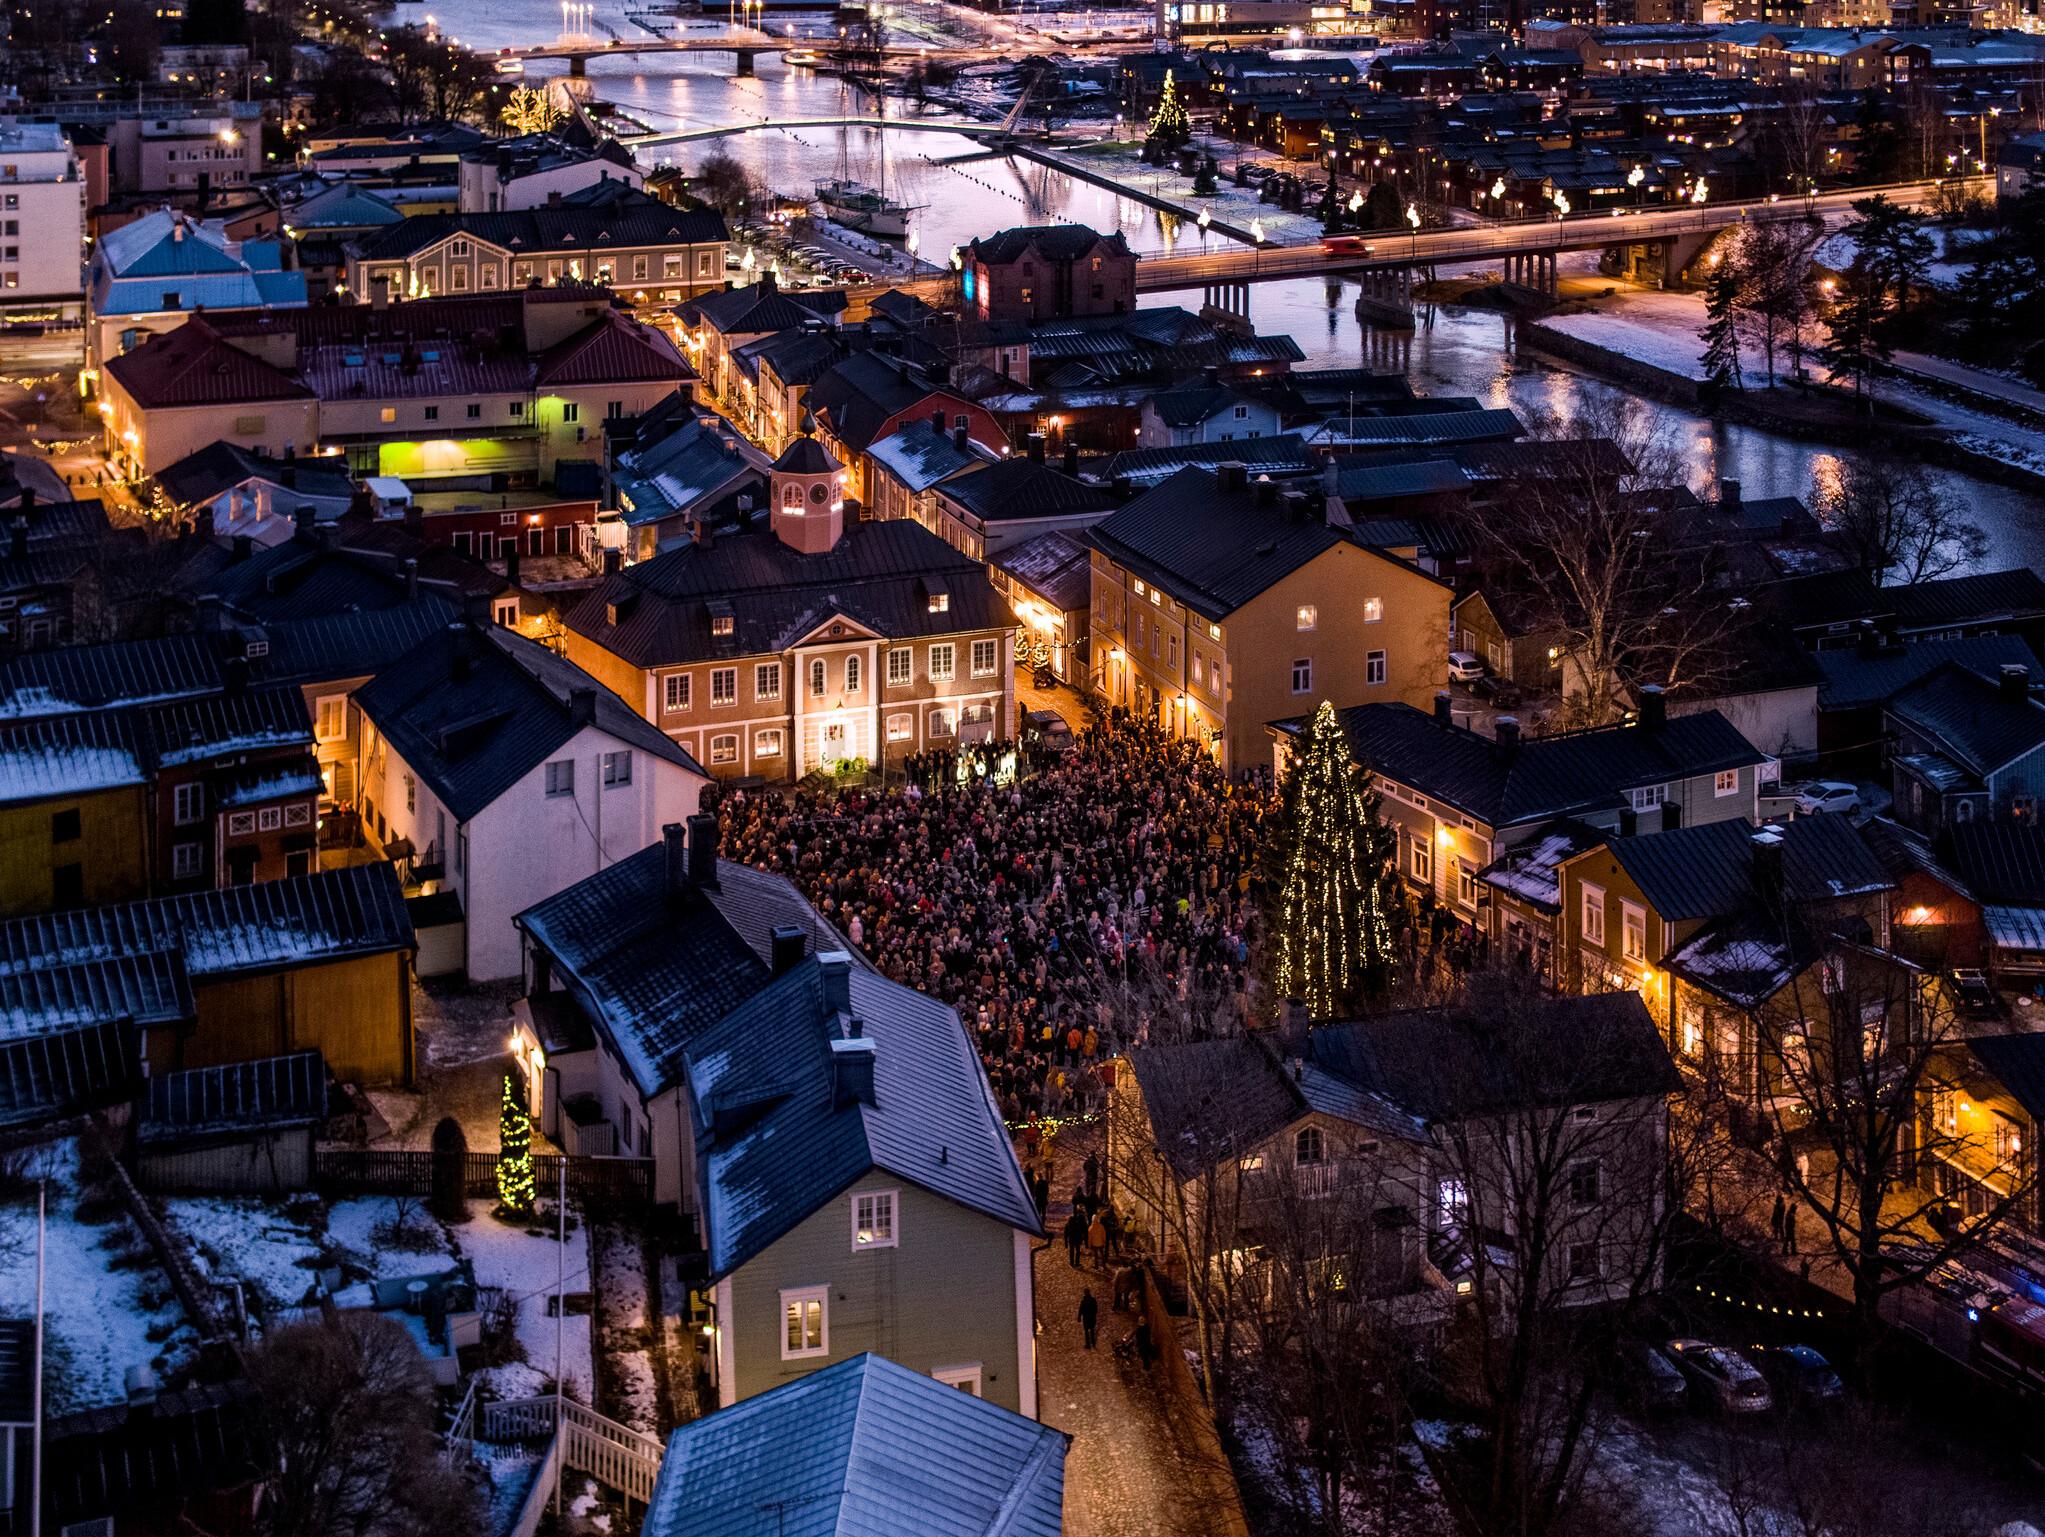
(1337,889)
(514,1152)
(1857,330)
(1721,330)
(1169,124)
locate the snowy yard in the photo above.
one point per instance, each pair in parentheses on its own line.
(524,1264)
(108,1304)
(624,1333)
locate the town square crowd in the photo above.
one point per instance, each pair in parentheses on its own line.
(1054,912)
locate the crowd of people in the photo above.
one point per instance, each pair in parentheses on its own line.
(1055,912)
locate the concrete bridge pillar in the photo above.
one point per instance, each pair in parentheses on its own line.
(578,66)
(1227,304)
(745,64)
(1386,297)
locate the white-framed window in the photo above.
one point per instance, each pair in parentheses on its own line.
(853,670)
(723,685)
(724,748)
(240,823)
(901,727)
(1305,617)
(1451,1202)
(1373,610)
(767,742)
(1593,914)
(1373,667)
(187,804)
(185,860)
(269,819)
(986,658)
(1466,883)
(299,815)
(873,1220)
(617,768)
(1307,1146)
(1725,782)
(1303,675)
(505,612)
(767,681)
(561,777)
(965,1378)
(1647,797)
(943,662)
(901,666)
(1422,861)
(805,1322)
(942,723)
(817,677)
(330,718)
(676,690)
(1632,930)
(1586,1184)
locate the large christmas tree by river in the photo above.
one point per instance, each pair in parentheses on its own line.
(1170,126)
(1338,893)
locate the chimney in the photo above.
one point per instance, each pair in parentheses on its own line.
(937,422)
(1267,491)
(289,475)
(1506,731)
(703,850)
(244,546)
(614,560)
(701,533)
(958,439)
(836,966)
(1293,1028)
(380,292)
(1443,707)
(1654,707)
(1868,640)
(301,523)
(1296,503)
(1767,865)
(582,706)
(234,675)
(411,570)
(1036,448)
(1071,457)
(789,946)
(767,281)
(511,562)
(1728,493)
(2015,681)
(1331,478)
(1232,474)
(851,1068)
(674,868)
(463,661)
(17,539)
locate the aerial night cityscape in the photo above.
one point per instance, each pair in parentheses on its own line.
(1022,768)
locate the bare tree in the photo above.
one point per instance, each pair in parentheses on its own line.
(1584,545)
(1774,259)
(724,184)
(348,1412)
(1897,523)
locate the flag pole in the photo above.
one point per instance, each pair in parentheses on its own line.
(560,1317)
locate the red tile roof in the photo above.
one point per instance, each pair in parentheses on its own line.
(613,350)
(194,367)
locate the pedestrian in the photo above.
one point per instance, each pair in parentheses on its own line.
(1097,1242)
(1040,1191)
(1112,1221)
(1092,1169)
(1789,1230)
(1090,1316)
(1075,1236)
(1146,1348)
(1775,1220)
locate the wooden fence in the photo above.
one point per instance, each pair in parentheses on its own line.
(623,1182)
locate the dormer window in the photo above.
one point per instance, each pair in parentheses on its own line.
(940,602)
(721,624)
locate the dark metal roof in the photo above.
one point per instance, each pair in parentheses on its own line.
(1020,489)
(146,987)
(2016,593)
(1971,718)
(1544,777)
(44,1076)
(1707,870)
(2000,861)
(476,708)
(806,456)
(536,230)
(1052,242)
(289,1090)
(1854,680)
(2017,1062)
(1284,453)
(221,466)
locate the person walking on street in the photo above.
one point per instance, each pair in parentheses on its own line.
(1092,1170)
(1789,1230)
(1090,1316)
(1097,1243)
(1075,1236)
(1113,1223)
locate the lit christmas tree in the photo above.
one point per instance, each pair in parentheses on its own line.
(1337,888)
(1169,124)
(514,1153)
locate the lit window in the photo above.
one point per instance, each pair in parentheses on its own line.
(767,743)
(901,727)
(1593,915)
(677,687)
(1373,610)
(805,1322)
(1422,861)
(941,723)
(767,681)
(986,658)
(943,663)
(853,671)
(1633,931)
(873,1220)
(1305,617)
(387,415)
(721,624)
(940,602)
(899,667)
(724,749)
(1726,782)
(723,685)
(561,777)
(817,678)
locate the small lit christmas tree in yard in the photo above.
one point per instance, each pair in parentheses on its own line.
(1337,888)
(514,1153)
(1169,125)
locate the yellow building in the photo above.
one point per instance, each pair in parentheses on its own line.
(1220,605)
(74,814)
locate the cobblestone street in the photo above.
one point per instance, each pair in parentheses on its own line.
(1130,1472)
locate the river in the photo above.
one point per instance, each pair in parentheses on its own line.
(961,192)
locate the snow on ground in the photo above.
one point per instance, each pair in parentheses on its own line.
(266,1245)
(353,1237)
(524,1264)
(108,1304)
(628,1363)
(510,1472)
(1655,328)
(1836,251)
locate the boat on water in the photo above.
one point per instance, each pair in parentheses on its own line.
(862,208)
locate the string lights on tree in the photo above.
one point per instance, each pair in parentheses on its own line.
(531,111)
(514,1152)
(1338,888)
(1170,125)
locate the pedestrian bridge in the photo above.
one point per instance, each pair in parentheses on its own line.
(990,131)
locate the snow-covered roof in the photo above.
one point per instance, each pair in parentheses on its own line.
(68,755)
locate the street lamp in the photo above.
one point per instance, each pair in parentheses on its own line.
(1257,231)
(1635,179)
(1561,205)
(1413,219)
(1699,192)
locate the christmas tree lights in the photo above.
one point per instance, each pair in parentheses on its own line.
(514,1153)
(1338,890)
(1169,124)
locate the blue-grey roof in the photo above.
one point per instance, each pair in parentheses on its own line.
(1707,871)
(221,466)
(476,708)
(1853,680)
(1283,453)
(932,1122)
(865,1448)
(919,457)
(1367,482)
(652,972)
(346,206)
(1971,719)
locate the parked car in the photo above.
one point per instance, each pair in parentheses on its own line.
(1465,666)
(1502,692)
(1799,1375)
(1649,1378)
(1722,1377)
(1256,173)
(1820,796)
(1046,730)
